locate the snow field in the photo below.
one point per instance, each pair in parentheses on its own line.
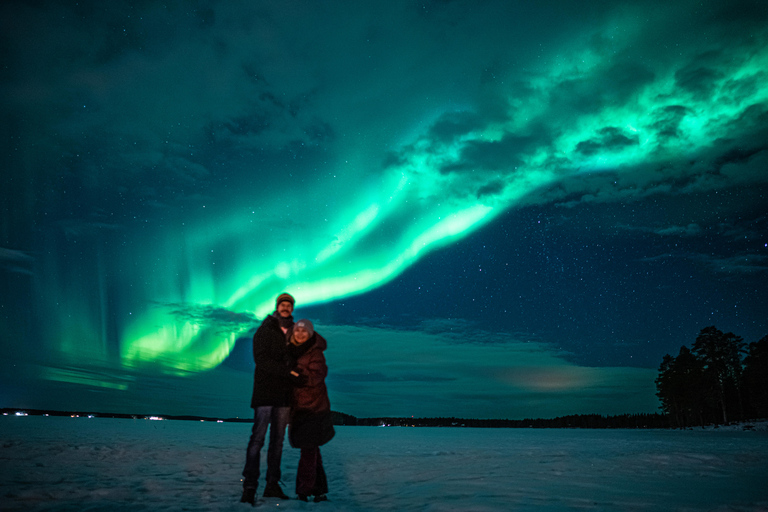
(53,463)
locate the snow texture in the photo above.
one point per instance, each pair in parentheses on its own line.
(53,463)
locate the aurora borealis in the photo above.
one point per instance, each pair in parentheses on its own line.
(490,209)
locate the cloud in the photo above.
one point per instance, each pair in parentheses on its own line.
(381,371)
(96,226)
(347,378)
(697,78)
(460,330)
(607,139)
(219,318)
(739,264)
(13,255)
(692,229)
(14,261)
(734,265)
(502,155)
(251,89)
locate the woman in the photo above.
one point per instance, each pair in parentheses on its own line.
(311,424)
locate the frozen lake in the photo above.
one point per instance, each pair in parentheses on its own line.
(50,463)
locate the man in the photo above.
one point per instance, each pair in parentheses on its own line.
(273,381)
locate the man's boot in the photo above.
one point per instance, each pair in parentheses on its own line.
(273,490)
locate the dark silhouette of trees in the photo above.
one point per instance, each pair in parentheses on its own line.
(339,418)
(679,388)
(711,384)
(721,354)
(755,377)
(572,421)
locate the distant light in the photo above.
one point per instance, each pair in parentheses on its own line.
(21,413)
(156,418)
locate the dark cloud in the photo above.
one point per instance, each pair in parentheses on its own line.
(689,230)
(491,189)
(601,87)
(739,155)
(341,378)
(319,132)
(607,139)
(744,87)
(249,124)
(736,264)
(699,79)
(726,163)
(739,19)
(458,326)
(731,265)
(94,226)
(451,126)
(463,331)
(17,262)
(14,255)
(667,122)
(219,318)
(503,155)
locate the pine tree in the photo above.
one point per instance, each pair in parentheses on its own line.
(755,377)
(665,390)
(679,388)
(721,354)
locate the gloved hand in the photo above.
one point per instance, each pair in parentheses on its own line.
(298,379)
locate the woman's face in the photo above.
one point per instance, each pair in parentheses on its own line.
(300,334)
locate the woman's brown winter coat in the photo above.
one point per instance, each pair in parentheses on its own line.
(313,396)
(311,422)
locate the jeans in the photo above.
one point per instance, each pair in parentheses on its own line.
(263,417)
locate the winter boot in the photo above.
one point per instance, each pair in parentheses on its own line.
(273,490)
(249,496)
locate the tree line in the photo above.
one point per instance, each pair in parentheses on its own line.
(654,420)
(719,380)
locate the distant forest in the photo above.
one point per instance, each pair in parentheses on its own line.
(573,421)
(718,380)
(339,418)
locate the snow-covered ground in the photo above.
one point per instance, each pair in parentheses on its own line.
(49,463)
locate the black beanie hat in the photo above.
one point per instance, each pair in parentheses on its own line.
(284,297)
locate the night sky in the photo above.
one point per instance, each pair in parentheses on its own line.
(491,209)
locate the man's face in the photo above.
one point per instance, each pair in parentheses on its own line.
(285,309)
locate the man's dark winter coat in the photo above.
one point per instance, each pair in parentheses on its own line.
(271,378)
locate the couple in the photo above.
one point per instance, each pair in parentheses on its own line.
(288,387)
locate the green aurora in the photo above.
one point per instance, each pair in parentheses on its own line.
(422,204)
